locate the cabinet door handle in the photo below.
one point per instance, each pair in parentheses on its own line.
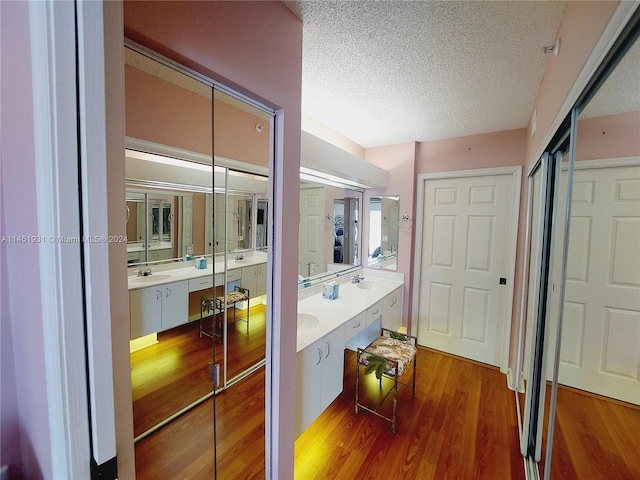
(374,313)
(356,325)
(168,292)
(328,349)
(319,352)
(158,294)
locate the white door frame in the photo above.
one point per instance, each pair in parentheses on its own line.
(516,174)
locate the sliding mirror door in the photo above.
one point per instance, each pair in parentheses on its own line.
(597,412)
(197,165)
(168,180)
(243,145)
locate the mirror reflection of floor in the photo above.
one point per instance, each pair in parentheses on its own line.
(184,448)
(595,437)
(172,374)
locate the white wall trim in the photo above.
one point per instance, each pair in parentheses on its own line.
(93,161)
(52,33)
(516,173)
(604,163)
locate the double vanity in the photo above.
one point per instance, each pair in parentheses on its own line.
(161,300)
(326,327)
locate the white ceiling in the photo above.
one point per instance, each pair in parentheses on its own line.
(387,72)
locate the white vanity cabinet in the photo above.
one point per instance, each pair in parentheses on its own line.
(175,304)
(157,308)
(261,279)
(320,375)
(254,278)
(156,255)
(392,309)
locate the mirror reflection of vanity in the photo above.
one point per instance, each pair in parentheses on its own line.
(384,216)
(329,234)
(151,225)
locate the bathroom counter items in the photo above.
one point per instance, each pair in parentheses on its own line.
(176,272)
(354,299)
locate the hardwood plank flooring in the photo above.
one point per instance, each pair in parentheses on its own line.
(173,373)
(184,449)
(461,424)
(595,437)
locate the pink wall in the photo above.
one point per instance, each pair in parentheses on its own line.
(612,136)
(399,161)
(25,420)
(255,47)
(498,149)
(580,29)
(165,113)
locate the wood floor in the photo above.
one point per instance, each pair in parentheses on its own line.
(462,424)
(173,373)
(594,438)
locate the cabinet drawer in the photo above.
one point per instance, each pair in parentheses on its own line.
(235,274)
(374,312)
(200,283)
(355,325)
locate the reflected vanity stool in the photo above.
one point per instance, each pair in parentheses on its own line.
(238,294)
(389,356)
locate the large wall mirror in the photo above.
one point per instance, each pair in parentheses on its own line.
(330,234)
(384,217)
(180,207)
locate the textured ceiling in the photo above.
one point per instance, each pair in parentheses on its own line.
(386,72)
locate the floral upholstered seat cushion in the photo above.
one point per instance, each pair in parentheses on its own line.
(392,350)
(233,297)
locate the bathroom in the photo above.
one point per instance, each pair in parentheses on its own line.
(281,92)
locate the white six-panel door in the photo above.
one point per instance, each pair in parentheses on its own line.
(600,349)
(466,244)
(312,211)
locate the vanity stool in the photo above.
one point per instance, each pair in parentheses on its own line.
(238,294)
(207,305)
(388,356)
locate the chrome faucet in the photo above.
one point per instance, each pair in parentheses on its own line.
(144,273)
(357,278)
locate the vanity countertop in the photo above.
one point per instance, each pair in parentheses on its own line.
(331,314)
(165,274)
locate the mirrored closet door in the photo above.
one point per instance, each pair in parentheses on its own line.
(597,358)
(197,165)
(581,362)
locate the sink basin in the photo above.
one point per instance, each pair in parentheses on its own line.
(151,278)
(368,285)
(307,321)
